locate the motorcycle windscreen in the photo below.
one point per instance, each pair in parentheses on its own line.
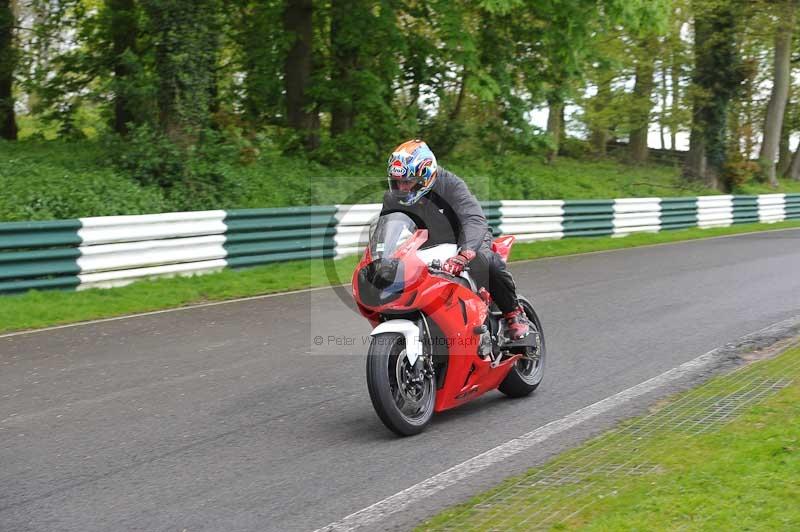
(383,280)
(388,233)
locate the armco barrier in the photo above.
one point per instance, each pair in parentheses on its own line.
(116,250)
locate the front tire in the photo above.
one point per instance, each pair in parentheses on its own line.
(404,412)
(527,373)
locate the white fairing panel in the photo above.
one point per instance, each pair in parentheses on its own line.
(442,252)
(408,329)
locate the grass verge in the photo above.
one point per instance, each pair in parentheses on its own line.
(724,456)
(41,309)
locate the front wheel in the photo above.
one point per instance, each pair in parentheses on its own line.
(403,396)
(528,371)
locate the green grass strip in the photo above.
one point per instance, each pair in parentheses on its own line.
(670,469)
(40,309)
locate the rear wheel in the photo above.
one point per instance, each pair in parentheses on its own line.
(528,371)
(403,396)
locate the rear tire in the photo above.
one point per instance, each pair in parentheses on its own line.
(385,359)
(526,375)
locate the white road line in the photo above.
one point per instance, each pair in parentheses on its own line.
(328,287)
(418,492)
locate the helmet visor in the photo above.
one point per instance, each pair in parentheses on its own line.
(405,187)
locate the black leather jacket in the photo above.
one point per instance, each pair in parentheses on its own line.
(449,212)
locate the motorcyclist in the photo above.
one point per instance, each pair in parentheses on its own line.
(451,214)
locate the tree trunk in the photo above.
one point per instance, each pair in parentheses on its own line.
(455,113)
(555,126)
(717,75)
(784,153)
(747,121)
(8,62)
(344,52)
(599,130)
(663,106)
(780,92)
(735,134)
(794,168)
(298,23)
(186,51)
(696,162)
(123,36)
(643,104)
(675,90)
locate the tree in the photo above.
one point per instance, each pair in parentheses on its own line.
(663,94)
(298,23)
(642,93)
(610,63)
(784,153)
(259,57)
(628,51)
(187,34)
(794,168)
(361,73)
(8,61)
(780,89)
(679,57)
(715,81)
(555,122)
(345,52)
(600,122)
(123,29)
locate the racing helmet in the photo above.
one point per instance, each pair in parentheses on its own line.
(412,171)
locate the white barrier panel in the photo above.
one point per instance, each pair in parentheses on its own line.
(530,237)
(352,236)
(771,208)
(349,250)
(513,228)
(632,205)
(529,208)
(352,228)
(714,211)
(637,215)
(110,229)
(357,214)
(124,277)
(130,255)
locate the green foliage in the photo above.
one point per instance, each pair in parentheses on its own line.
(191,177)
(8,62)
(196,90)
(148,157)
(737,172)
(186,48)
(260,51)
(46,180)
(717,76)
(148,173)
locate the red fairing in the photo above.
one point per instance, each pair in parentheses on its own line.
(502,246)
(455,309)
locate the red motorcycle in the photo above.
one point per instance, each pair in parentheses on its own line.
(438,340)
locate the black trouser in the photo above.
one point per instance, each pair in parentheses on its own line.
(489,270)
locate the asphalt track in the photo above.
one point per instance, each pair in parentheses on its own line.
(230,418)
